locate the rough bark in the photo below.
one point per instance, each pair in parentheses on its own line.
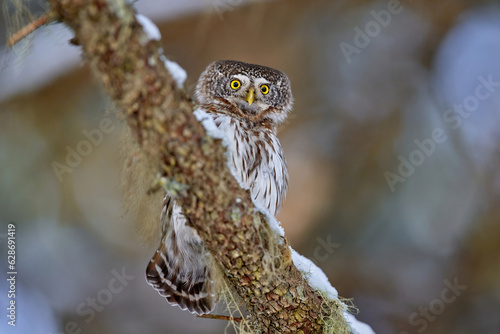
(129,67)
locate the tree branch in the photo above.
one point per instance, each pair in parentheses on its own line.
(129,66)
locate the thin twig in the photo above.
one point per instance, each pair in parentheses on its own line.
(28,29)
(220,317)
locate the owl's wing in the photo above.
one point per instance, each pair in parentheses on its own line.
(178,270)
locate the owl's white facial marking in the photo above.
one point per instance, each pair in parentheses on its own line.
(259,82)
(240,96)
(245,81)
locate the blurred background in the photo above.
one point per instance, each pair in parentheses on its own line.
(393,150)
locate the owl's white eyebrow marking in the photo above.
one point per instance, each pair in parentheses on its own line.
(243,78)
(260,81)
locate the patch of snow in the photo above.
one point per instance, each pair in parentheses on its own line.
(271,220)
(177,72)
(318,280)
(314,275)
(357,327)
(208,123)
(150,28)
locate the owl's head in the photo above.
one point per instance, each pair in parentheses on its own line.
(250,91)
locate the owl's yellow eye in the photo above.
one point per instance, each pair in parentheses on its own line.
(235,84)
(264,89)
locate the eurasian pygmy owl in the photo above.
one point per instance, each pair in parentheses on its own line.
(247,102)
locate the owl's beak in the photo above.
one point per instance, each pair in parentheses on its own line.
(250,96)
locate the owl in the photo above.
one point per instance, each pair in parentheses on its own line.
(247,102)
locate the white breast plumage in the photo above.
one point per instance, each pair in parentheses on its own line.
(257,160)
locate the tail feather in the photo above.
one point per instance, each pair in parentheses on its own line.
(183,280)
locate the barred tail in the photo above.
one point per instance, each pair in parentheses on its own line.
(181,277)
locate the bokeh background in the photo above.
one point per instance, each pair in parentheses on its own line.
(390,236)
